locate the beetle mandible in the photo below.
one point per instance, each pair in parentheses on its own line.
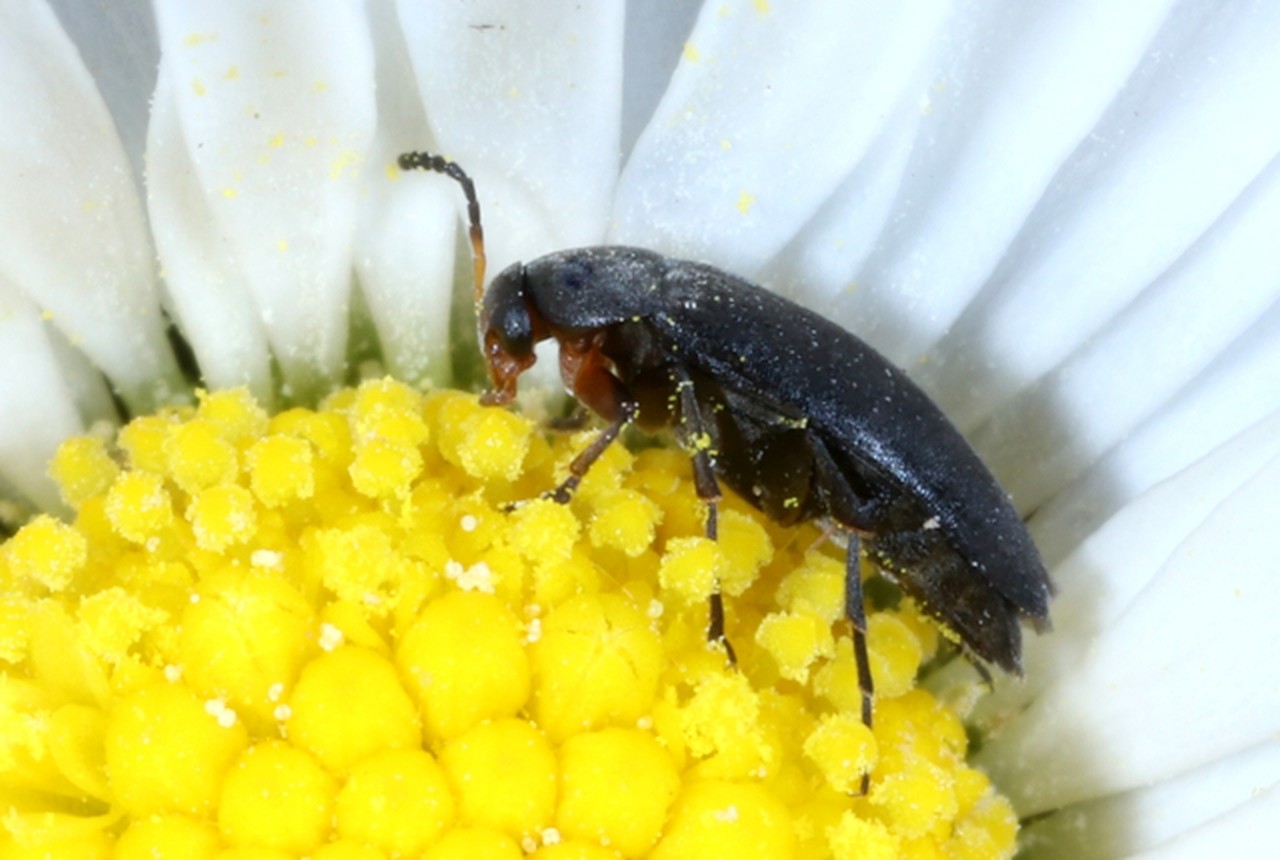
(797,415)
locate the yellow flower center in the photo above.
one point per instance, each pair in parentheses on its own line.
(360,632)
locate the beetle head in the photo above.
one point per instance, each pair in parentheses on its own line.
(508,331)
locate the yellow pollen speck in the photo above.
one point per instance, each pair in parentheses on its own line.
(761,6)
(282,245)
(232,73)
(746,200)
(364,632)
(276,141)
(344,163)
(691,54)
(197,87)
(230,193)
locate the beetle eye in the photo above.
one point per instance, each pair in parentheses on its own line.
(505,318)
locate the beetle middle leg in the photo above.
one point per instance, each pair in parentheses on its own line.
(698,441)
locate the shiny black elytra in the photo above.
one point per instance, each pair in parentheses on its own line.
(797,415)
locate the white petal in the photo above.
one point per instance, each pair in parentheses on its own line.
(1178,145)
(39,407)
(1102,576)
(1144,357)
(1148,817)
(538,127)
(1250,830)
(1237,391)
(118,43)
(1011,90)
(655,33)
(406,235)
(770,109)
(276,113)
(1175,682)
(209,294)
(74,237)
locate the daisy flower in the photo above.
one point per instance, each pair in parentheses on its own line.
(263,592)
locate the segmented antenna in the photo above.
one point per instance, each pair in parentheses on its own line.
(440,164)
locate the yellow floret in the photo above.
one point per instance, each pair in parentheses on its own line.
(626,521)
(168,837)
(816,587)
(795,640)
(596,663)
(347,849)
(746,548)
(855,838)
(143,441)
(281,470)
(197,456)
(114,620)
(474,843)
(616,788)
(385,469)
(138,506)
(276,796)
(360,564)
(263,663)
(464,662)
(48,552)
(244,633)
(544,531)
(349,704)
(234,412)
(222,517)
(574,849)
(388,410)
(836,682)
(914,801)
(398,800)
(486,443)
(83,469)
(717,820)
(894,653)
(503,774)
(691,569)
(15,635)
(843,749)
(721,722)
(166,753)
(990,830)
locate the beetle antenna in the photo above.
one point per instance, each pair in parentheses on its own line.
(440,164)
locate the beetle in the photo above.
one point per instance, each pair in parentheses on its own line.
(798,416)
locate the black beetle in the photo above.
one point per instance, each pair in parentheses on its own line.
(797,415)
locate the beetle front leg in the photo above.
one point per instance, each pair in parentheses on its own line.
(587,374)
(582,463)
